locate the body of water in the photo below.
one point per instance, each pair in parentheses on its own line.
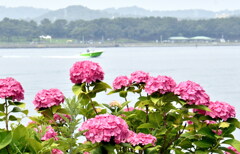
(216,69)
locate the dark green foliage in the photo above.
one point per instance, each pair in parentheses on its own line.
(140,29)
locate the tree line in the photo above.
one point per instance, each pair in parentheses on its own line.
(140,29)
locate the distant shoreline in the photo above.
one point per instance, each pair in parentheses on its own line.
(110,45)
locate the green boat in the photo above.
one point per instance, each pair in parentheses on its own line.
(91,53)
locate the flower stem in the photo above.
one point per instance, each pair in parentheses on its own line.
(90,99)
(147,117)
(6,113)
(127,104)
(6,120)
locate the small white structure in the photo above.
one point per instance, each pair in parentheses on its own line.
(47,37)
(69,41)
(178,39)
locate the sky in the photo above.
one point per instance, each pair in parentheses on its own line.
(213,5)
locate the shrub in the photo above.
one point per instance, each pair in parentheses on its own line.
(167,117)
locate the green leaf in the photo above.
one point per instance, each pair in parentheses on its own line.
(234,121)
(234,143)
(114,91)
(78,88)
(47,113)
(2,114)
(143,103)
(62,110)
(189,135)
(83,98)
(143,98)
(226,150)
(5,138)
(91,94)
(138,148)
(228,135)
(178,151)
(12,118)
(25,112)
(224,124)
(101,86)
(201,152)
(55,108)
(2,107)
(16,109)
(124,104)
(217,151)
(132,89)
(107,106)
(19,104)
(170,97)
(154,99)
(123,94)
(147,125)
(229,129)
(206,132)
(110,148)
(47,143)
(19,133)
(152,150)
(203,144)
(155,118)
(34,145)
(186,143)
(201,107)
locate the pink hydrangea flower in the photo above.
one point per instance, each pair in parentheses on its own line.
(139,77)
(161,84)
(218,132)
(50,133)
(140,139)
(57,151)
(221,110)
(210,122)
(11,88)
(48,98)
(105,127)
(203,112)
(192,92)
(59,119)
(121,81)
(31,122)
(189,122)
(86,71)
(131,109)
(233,149)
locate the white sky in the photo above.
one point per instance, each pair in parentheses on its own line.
(214,5)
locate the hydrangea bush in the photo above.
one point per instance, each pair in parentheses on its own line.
(168,117)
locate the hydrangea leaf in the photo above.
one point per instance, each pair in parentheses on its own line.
(2,107)
(123,94)
(6,138)
(20,104)
(234,121)
(203,144)
(233,142)
(147,125)
(12,118)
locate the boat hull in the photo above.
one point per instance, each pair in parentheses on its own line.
(92,54)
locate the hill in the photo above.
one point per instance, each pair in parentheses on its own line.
(72,13)
(25,13)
